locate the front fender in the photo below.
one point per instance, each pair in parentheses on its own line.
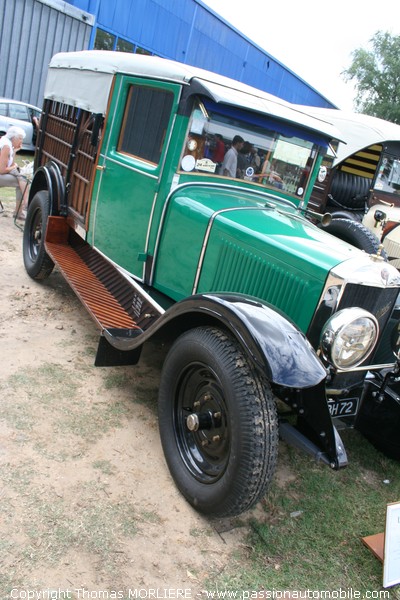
(276,346)
(274,343)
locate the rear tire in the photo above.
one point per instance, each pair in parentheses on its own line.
(225,465)
(38,263)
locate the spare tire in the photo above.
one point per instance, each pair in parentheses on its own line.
(350,191)
(354,233)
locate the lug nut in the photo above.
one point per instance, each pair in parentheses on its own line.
(192,422)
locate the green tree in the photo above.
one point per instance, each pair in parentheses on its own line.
(376,74)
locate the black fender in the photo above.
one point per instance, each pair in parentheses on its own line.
(276,346)
(49,178)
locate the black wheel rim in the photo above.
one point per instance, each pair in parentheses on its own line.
(35,234)
(199,394)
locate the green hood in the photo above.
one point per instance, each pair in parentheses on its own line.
(237,241)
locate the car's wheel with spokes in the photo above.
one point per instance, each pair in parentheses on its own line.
(218,423)
(38,263)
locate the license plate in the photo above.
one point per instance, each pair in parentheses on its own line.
(343,407)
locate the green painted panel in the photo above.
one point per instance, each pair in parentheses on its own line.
(271,255)
(123,213)
(127,184)
(268,252)
(184,228)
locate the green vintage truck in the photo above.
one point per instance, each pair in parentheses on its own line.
(174,202)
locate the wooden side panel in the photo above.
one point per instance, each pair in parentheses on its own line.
(65,137)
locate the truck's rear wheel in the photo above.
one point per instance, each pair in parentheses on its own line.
(38,263)
(218,423)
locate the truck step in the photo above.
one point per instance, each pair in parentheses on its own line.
(113,300)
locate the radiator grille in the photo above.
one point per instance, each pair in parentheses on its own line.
(378,301)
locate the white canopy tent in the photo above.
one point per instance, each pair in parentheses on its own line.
(357,131)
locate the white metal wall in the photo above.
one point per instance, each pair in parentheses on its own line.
(31,31)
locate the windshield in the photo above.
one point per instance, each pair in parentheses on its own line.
(236,144)
(388,178)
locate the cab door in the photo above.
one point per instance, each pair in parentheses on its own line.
(130,169)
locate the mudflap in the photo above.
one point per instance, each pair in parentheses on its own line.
(379,417)
(109,355)
(315,432)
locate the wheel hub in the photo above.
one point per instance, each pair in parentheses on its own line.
(198,421)
(203,433)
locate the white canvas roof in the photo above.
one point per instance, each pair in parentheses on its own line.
(85,78)
(357,131)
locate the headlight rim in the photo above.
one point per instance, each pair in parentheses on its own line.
(336,325)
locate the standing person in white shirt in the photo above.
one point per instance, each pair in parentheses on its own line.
(229,166)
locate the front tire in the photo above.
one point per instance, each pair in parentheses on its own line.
(218,423)
(38,263)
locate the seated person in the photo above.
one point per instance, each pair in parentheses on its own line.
(270,175)
(10,176)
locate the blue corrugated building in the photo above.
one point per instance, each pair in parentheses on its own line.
(189,31)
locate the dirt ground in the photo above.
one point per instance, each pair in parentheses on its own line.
(86,499)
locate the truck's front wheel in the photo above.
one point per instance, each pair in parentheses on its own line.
(38,263)
(218,423)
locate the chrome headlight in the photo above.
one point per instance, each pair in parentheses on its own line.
(349,337)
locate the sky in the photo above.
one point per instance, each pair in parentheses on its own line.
(313,38)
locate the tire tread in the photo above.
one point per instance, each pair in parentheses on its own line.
(258,428)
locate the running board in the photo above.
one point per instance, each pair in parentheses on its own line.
(116,303)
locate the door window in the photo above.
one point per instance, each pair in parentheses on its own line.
(145,122)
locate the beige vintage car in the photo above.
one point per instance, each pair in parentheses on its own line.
(359,183)
(384,221)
